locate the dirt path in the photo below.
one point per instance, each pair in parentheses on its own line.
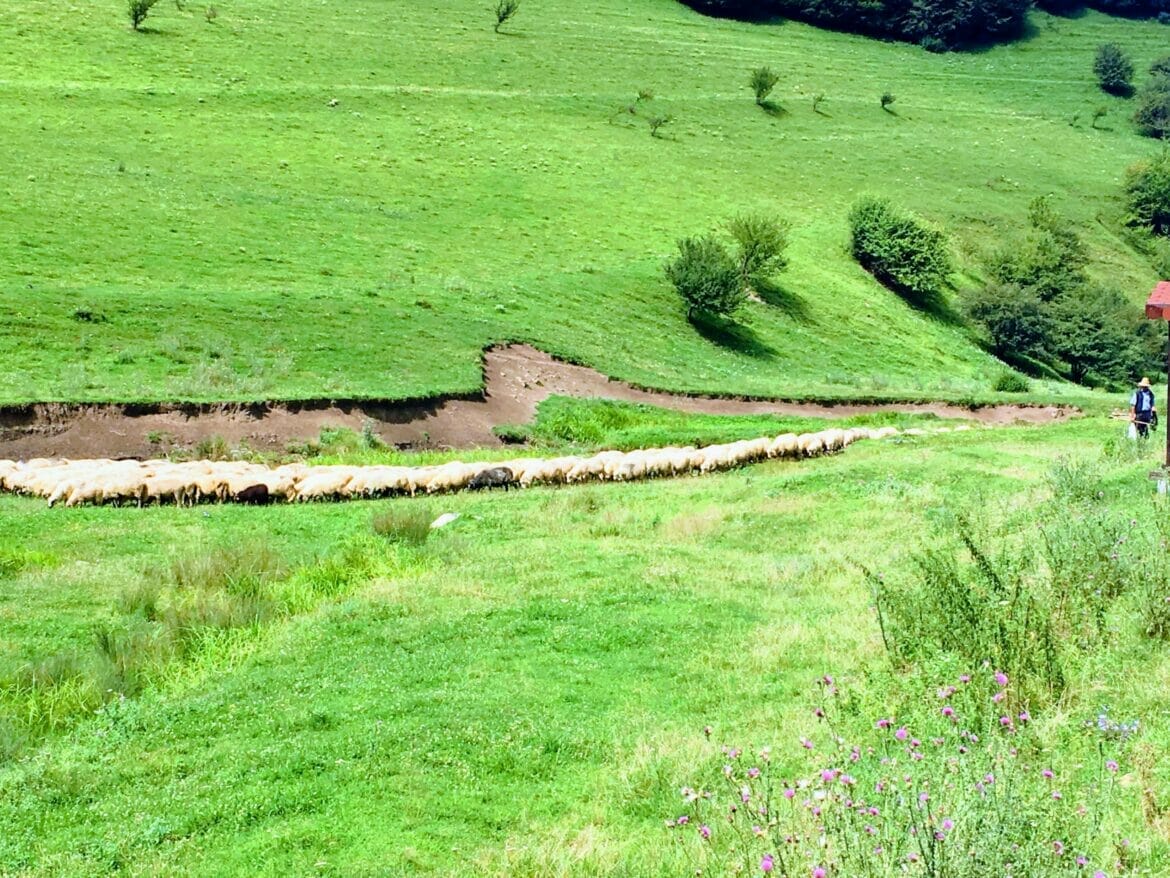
(517,378)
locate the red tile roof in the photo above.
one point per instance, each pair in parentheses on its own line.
(1158,305)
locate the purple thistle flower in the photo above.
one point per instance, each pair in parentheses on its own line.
(766,864)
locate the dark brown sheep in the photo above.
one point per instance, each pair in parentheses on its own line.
(254,495)
(496,477)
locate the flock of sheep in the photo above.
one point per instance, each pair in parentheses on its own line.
(77,482)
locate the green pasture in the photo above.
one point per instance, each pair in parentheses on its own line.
(525,692)
(352,200)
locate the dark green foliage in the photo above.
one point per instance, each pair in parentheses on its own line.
(887,99)
(1060,7)
(657,121)
(1100,336)
(138,10)
(1152,115)
(899,250)
(1147,192)
(761,241)
(1010,382)
(933,23)
(762,81)
(706,277)
(1042,309)
(1014,318)
(1049,260)
(505,9)
(1114,69)
(1161,67)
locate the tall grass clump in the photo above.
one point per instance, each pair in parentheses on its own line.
(981,604)
(407,524)
(199,604)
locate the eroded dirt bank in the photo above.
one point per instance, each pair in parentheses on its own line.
(516,379)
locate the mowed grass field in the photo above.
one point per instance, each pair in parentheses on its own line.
(525,692)
(302,200)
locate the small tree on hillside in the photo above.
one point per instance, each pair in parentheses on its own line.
(902,252)
(1153,112)
(706,277)
(1147,191)
(1114,69)
(138,10)
(1161,67)
(763,80)
(505,9)
(761,240)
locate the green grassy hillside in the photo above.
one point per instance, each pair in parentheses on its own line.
(304,200)
(525,693)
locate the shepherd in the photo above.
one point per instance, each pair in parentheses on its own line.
(1143,410)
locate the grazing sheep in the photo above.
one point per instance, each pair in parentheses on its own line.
(496,477)
(810,444)
(254,495)
(449,477)
(324,482)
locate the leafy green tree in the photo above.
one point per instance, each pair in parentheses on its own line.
(763,80)
(1048,261)
(1161,67)
(1100,336)
(760,241)
(706,277)
(138,10)
(1014,318)
(505,10)
(1147,192)
(1114,69)
(1153,107)
(900,250)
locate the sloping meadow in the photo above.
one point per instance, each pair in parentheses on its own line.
(271,204)
(527,690)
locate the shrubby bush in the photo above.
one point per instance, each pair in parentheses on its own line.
(1114,69)
(1014,318)
(1147,191)
(761,241)
(714,281)
(762,81)
(899,250)
(706,277)
(1010,382)
(138,10)
(1152,115)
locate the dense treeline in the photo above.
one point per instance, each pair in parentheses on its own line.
(933,23)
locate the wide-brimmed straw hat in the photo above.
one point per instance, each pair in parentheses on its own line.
(1145,382)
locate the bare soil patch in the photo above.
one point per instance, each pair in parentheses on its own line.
(516,379)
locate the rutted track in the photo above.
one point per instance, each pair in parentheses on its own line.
(516,379)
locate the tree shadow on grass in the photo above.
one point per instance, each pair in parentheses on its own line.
(773,109)
(933,304)
(732,336)
(790,303)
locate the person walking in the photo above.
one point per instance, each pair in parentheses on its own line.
(1143,410)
